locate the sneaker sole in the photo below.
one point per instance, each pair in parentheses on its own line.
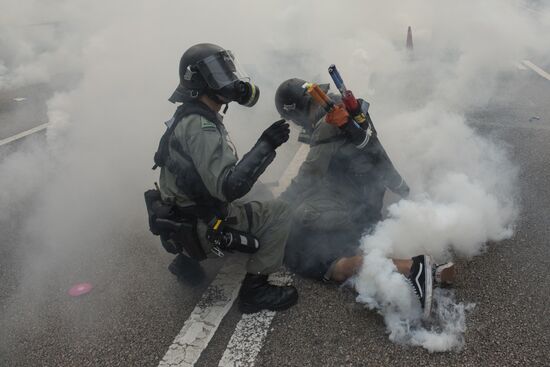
(249,308)
(428,286)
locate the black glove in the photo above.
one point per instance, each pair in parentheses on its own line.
(276,134)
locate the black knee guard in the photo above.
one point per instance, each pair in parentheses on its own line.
(233,240)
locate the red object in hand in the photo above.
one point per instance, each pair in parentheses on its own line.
(350,102)
(339,116)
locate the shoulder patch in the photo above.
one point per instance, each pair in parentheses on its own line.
(207,125)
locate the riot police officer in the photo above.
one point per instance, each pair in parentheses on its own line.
(202,177)
(338,193)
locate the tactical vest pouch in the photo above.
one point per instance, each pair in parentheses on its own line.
(177,233)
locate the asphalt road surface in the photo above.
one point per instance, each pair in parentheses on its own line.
(137,307)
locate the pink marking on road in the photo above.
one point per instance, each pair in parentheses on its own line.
(80,289)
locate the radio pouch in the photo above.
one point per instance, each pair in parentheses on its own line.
(177,233)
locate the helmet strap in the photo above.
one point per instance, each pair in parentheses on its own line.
(213,96)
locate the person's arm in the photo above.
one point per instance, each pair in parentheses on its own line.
(390,176)
(209,152)
(366,139)
(216,163)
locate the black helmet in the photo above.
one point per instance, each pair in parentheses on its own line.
(206,68)
(294,103)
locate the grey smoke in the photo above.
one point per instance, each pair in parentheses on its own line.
(95,162)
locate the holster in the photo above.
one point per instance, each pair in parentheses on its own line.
(177,233)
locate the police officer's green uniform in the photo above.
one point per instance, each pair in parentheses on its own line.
(195,209)
(208,145)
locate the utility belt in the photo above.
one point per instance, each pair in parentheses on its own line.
(177,228)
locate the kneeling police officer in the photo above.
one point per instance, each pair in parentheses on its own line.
(194,209)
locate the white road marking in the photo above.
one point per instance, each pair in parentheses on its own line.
(520,66)
(291,170)
(207,315)
(533,10)
(247,339)
(23,134)
(536,69)
(510,126)
(249,335)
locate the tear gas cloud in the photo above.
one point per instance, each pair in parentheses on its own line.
(95,163)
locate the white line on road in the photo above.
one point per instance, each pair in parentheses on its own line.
(207,315)
(536,69)
(291,170)
(533,10)
(249,335)
(247,339)
(520,66)
(23,134)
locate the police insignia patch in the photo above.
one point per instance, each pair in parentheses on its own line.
(207,125)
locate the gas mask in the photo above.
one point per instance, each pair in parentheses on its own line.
(226,80)
(244,93)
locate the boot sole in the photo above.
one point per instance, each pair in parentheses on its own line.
(249,308)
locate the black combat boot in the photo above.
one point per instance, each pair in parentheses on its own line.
(187,270)
(258,294)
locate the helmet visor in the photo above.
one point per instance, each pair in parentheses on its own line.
(221,69)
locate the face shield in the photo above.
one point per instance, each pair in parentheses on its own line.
(221,69)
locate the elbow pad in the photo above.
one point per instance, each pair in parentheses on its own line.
(240,179)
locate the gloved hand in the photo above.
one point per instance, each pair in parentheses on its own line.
(276,134)
(338,117)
